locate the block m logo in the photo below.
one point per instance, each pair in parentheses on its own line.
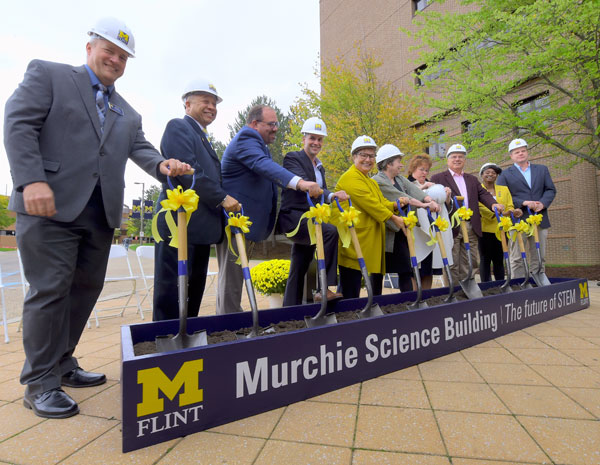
(154,380)
(583,290)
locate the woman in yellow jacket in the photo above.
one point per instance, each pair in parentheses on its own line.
(374,210)
(490,247)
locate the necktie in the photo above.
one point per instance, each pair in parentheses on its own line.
(205,131)
(100,106)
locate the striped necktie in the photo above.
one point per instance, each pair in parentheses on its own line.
(205,131)
(101,91)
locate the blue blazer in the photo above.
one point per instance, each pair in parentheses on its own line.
(251,176)
(184,139)
(542,188)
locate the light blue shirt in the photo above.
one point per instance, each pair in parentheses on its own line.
(319,177)
(95,81)
(526,173)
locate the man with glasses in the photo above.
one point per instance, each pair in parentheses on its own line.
(468,186)
(251,176)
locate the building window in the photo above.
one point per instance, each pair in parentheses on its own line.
(534,103)
(420,5)
(436,147)
(472,131)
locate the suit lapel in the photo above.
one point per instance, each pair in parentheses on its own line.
(198,130)
(111,115)
(516,173)
(452,183)
(82,81)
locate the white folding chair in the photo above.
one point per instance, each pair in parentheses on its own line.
(145,253)
(24,286)
(390,280)
(211,280)
(119,252)
(4,320)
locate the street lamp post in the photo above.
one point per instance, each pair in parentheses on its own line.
(142,208)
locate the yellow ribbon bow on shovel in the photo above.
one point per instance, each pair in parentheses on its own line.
(239,221)
(320,213)
(176,198)
(343,220)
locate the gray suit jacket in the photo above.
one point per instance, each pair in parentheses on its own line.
(52,134)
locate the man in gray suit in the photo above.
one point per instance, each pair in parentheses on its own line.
(68,135)
(531,187)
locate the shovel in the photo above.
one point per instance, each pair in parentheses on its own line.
(241,246)
(182,340)
(371,309)
(539,277)
(415,266)
(505,288)
(320,319)
(469,286)
(440,241)
(525,284)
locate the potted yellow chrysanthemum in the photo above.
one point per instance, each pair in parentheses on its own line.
(270,278)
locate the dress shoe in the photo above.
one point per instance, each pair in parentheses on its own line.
(330,296)
(54,403)
(79,378)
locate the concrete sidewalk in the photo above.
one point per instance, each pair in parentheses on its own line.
(530,397)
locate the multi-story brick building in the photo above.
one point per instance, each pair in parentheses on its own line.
(375,26)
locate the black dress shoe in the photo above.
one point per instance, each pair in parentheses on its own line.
(54,403)
(79,378)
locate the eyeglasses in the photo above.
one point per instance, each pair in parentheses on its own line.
(273,124)
(365,155)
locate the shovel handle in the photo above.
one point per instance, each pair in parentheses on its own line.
(189,172)
(241,245)
(182,249)
(502,235)
(536,235)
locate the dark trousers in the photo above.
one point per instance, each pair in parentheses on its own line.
(303,254)
(166,298)
(351,281)
(491,257)
(65,264)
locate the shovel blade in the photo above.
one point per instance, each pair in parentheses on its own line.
(181,341)
(526,284)
(313,322)
(418,304)
(369,312)
(540,279)
(471,289)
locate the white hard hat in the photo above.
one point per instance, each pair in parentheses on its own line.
(363,141)
(200,85)
(493,166)
(387,151)
(314,125)
(456,148)
(115,31)
(515,144)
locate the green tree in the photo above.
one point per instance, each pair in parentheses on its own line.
(353,102)
(133,225)
(5,218)
(278,147)
(482,63)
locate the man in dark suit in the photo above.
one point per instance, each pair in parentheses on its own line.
(252,177)
(530,186)
(294,204)
(68,135)
(187,138)
(468,186)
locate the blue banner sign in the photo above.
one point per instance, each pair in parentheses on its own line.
(174,394)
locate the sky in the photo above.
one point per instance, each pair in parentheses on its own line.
(246,49)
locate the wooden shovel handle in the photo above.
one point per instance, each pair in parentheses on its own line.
(241,245)
(182,249)
(320,247)
(356,243)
